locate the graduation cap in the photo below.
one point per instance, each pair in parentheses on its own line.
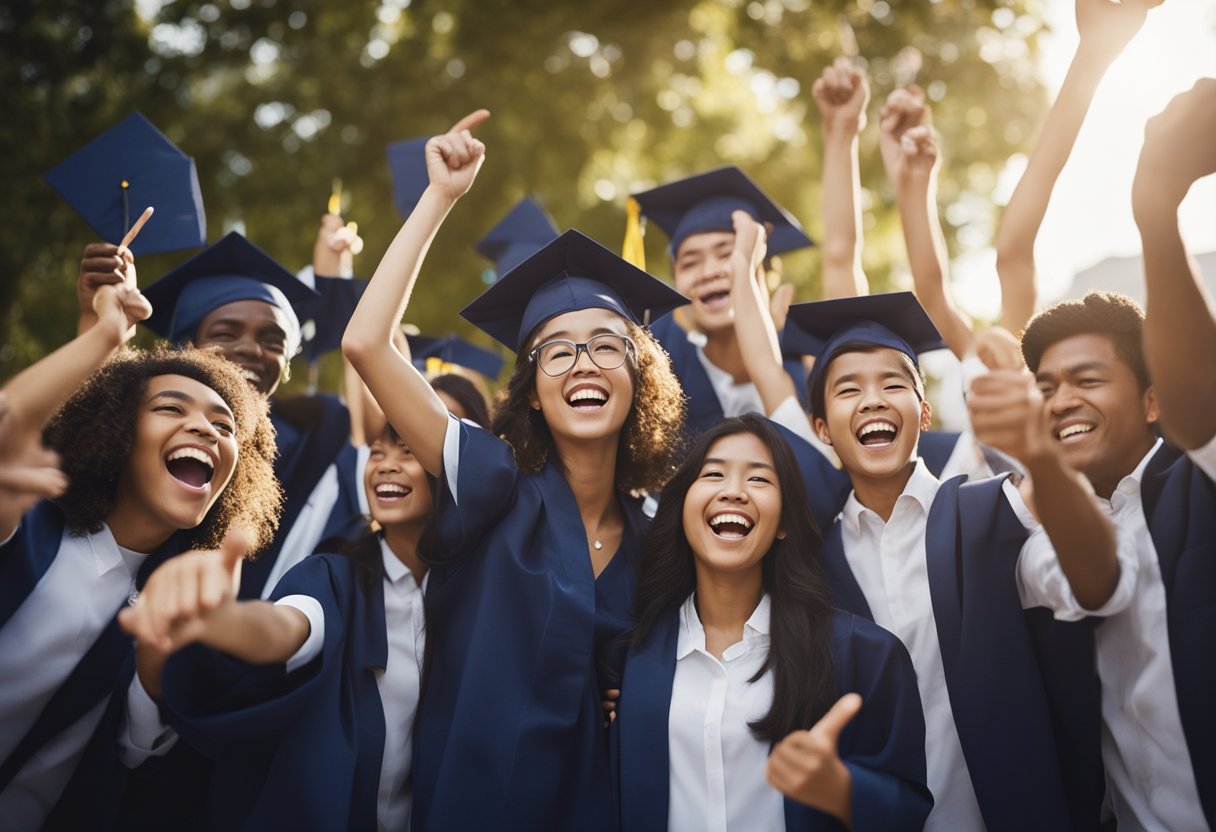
(895,320)
(705,202)
(337,299)
(129,167)
(231,270)
(433,355)
(521,233)
(573,272)
(407,162)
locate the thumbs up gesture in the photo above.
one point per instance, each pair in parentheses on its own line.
(186,593)
(806,767)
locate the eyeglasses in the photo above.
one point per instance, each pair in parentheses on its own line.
(558,357)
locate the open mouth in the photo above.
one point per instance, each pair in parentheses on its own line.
(191,467)
(392,492)
(731,525)
(587,398)
(252,378)
(1074,431)
(877,434)
(716,299)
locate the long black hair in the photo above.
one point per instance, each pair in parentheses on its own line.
(799,652)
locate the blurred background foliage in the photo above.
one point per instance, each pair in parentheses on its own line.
(590,101)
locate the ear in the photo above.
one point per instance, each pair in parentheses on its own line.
(533,399)
(926,415)
(821,430)
(1149,400)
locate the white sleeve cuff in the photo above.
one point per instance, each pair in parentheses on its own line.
(790,415)
(1042,583)
(311,648)
(144,735)
(1205,458)
(972,368)
(451,454)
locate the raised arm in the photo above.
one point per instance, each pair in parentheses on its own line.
(1105,28)
(1180,326)
(910,156)
(412,407)
(842,94)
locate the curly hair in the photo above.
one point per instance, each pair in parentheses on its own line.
(112,396)
(651,438)
(1110,314)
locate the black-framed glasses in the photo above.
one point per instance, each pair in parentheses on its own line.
(558,357)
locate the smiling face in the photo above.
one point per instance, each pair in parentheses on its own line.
(396,484)
(586,402)
(1099,414)
(732,511)
(253,335)
(182,456)
(873,413)
(702,271)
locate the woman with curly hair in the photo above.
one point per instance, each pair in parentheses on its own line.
(533,578)
(743,684)
(163,452)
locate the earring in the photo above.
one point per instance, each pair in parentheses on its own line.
(285,376)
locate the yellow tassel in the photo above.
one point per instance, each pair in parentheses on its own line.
(633,250)
(335,197)
(436,366)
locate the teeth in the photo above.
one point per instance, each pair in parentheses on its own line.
(391,489)
(877,426)
(1072,430)
(191,453)
(739,519)
(588,393)
(250,375)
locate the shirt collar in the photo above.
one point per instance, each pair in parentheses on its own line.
(108,555)
(394,569)
(922,487)
(692,632)
(1129,486)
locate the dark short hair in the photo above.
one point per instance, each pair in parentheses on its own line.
(466,395)
(818,389)
(1114,316)
(112,397)
(651,438)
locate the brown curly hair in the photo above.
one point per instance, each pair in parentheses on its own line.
(112,397)
(651,438)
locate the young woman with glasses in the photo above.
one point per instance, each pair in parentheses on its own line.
(533,579)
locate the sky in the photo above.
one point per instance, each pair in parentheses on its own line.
(1090,216)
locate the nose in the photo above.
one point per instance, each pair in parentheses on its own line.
(388,465)
(1063,400)
(247,346)
(733,491)
(201,427)
(872,400)
(584,366)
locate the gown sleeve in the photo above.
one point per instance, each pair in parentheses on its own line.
(476,487)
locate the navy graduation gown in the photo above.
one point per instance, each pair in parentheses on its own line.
(298,751)
(311,433)
(1180,505)
(1023,686)
(703,408)
(935,448)
(883,746)
(510,732)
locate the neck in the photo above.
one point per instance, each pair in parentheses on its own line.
(879,494)
(135,528)
(724,603)
(722,350)
(1105,484)
(590,471)
(402,540)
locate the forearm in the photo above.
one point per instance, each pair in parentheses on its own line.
(928,261)
(1082,537)
(257,632)
(759,345)
(841,246)
(1180,325)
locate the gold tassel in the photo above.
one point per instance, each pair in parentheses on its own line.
(633,250)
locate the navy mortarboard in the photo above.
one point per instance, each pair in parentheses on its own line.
(338,297)
(132,166)
(231,270)
(571,273)
(895,320)
(407,162)
(437,355)
(706,201)
(521,233)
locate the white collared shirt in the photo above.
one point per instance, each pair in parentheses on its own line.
(1150,779)
(735,398)
(398,684)
(89,579)
(716,779)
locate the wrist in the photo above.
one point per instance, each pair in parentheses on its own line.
(842,129)
(1043,462)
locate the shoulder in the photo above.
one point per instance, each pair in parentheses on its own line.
(853,633)
(325,573)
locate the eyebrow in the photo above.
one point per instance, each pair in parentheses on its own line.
(262,326)
(565,334)
(852,377)
(1075,369)
(713,460)
(222,409)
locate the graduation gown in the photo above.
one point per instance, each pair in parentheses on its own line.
(1023,687)
(300,751)
(883,746)
(104,671)
(510,732)
(703,408)
(1180,505)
